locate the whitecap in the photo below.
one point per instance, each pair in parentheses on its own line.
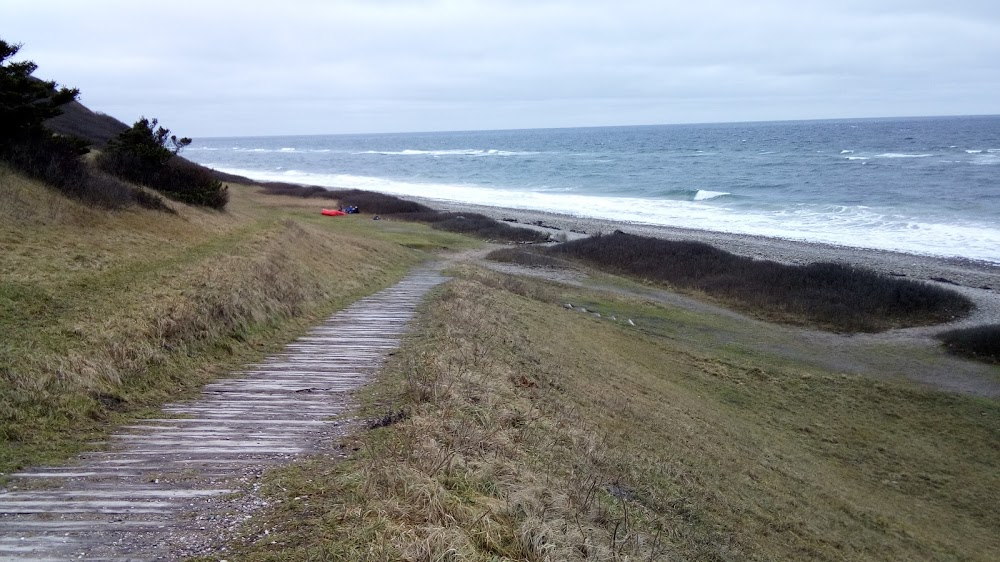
(847,152)
(901,155)
(449,152)
(704,194)
(287,150)
(973,151)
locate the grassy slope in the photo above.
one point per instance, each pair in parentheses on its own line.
(536,432)
(104,315)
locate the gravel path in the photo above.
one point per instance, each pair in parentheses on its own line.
(171,487)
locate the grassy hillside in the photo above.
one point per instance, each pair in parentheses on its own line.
(104,315)
(526,431)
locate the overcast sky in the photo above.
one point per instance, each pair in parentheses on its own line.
(220,68)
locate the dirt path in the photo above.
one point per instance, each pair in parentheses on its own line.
(171,487)
(911,354)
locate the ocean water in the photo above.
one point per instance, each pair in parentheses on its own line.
(922,185)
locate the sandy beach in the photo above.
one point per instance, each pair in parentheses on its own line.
(978,280)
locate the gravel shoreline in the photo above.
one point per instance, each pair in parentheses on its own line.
(978,280)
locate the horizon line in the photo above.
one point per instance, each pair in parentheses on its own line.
(695,123)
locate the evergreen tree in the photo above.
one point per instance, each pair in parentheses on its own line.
(25,101)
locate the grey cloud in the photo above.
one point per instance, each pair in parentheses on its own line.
(298,66)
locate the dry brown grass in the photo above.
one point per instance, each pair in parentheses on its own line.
(539,433)
(107,313)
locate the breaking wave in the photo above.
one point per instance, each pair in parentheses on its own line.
(704,194)
(902,155)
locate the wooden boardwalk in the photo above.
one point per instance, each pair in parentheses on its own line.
(170,487)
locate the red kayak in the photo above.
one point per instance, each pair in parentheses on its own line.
(333,213)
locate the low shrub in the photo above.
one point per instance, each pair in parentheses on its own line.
(291,190)
(834,296)
(145,154)
(981,342)
(521,256)
(378,203)
(107,191)
(382,204)
(56,161)
(479,225)
(178,179)
(368,201)
(192,184)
